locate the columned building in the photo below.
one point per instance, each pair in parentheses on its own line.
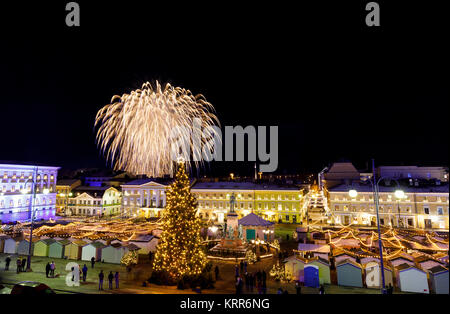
(424,207)
(144,197)
(17,199)
(276,203)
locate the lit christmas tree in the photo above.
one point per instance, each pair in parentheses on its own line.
(179,252)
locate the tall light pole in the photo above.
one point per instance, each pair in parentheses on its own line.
(33,197)
(375,187)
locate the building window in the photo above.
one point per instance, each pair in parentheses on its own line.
(440,211)
(426,210)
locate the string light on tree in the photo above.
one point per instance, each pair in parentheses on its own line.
(180,252)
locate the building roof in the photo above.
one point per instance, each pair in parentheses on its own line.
(232,185)
(94,191)
(348,261)
(444,188)
(67,182)
(320,248)
(405,266)
(79,242)
(143,238)
(133,247)
(162,181)
(47,241)
(254,220)
(96,244)
(24,164)
(63,242)
(437,269)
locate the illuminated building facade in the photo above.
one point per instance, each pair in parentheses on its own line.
(147,198)
(276,203)
(144,197)
(16,197)
(424,207)
(94,201)
(64,190)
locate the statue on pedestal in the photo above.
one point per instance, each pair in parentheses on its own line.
(232,202)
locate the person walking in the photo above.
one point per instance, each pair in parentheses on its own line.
(84,270)
(242,267)
(237,285)
(298,288)
(258,276)
(236,271)
(390,289)
(47,269)
(116,277)
(24,264)
(321,290)
(241,285)
(52,269)
(216,271)
(19,264)
(245,266)
(101,275)
(7,261)
(92,261)
(110,280)
(246,282)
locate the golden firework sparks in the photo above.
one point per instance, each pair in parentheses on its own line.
(136,130)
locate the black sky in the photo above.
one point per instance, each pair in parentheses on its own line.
(336,88)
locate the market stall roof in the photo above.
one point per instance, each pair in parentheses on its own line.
(254,220)
(143,238)
(80,242)
(348,261)
(319,248)
(47,241)
(64,242)
(437,269)
(133,247)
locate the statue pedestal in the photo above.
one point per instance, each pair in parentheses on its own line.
(232,220)
(230,243)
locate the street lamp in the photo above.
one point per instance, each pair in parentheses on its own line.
(399,194)
(353,194)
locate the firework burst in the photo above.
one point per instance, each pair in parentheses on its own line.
(136,131)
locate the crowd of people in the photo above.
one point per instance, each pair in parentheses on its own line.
(111,277)
(251,281)
(21,263)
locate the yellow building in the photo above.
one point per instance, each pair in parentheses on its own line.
(147,198)
(420,207)
(94,201)
(276,203)
(64,190)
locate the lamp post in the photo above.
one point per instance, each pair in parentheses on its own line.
(32,212)
(398,194)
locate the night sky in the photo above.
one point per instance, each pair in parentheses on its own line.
(336,89)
